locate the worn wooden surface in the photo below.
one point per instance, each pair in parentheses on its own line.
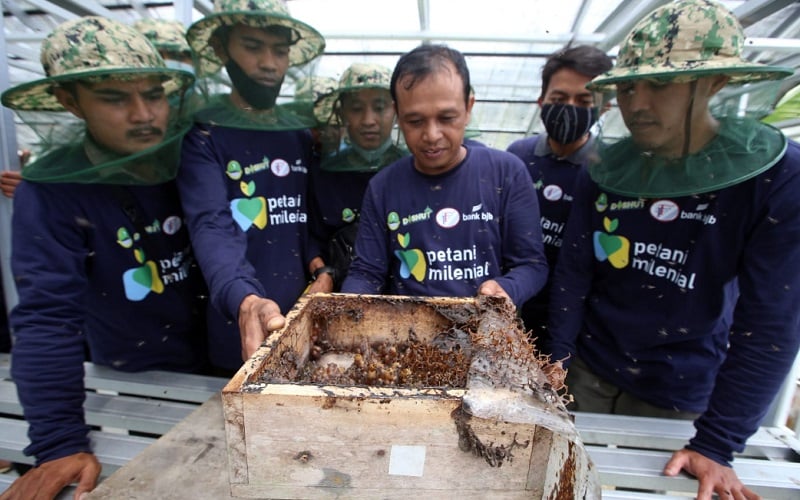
(290,440)
(190,461)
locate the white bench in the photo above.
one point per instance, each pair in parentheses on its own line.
(128,411)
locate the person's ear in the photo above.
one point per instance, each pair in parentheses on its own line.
(717,84)
(68,100)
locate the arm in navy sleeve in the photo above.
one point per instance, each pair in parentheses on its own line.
(370,269)
(525,265)
(572,277)
(219,245)
(48,260)
(765,334)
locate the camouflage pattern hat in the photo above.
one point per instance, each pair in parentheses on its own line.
(313,87)
(307,91)
(167,35)
(307,43)
(683,41)
(92,48)
(357,77)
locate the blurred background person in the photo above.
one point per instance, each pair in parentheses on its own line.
(361,110)
(568,112)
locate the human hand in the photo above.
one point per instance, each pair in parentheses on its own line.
(713,477)
(48,479)
(492,288)
(258,317)
(9,180)
(323,284)
(24,155)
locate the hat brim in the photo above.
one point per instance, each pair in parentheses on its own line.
(309,46)
(38,96)
(323,108)
(738,72)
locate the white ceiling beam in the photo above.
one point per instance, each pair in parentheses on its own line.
(14,8)
(579,17)
(28,52)
(140,8)
(35,68)
(205,7)
(772,44)
(183,11)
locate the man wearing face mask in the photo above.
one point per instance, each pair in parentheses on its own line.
(568,111)
(244,174)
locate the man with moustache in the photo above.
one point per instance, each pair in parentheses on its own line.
(244,174)
(100,256)
(449,220)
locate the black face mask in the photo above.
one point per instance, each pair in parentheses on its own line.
(257,95)
(566,123)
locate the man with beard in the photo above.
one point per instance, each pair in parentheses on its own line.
(243,177)
(100,255)
(568,111)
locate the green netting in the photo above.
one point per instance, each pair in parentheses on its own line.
(220,110)
(68,162)
(742,149)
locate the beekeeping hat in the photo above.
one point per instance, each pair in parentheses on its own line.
(683,41)
(92,48)
(307,43)
(358,76)
(166,35)
(679,43)
(307,91)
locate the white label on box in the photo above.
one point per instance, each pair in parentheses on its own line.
(407,461)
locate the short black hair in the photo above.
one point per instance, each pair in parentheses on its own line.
(585,59)
(425,60)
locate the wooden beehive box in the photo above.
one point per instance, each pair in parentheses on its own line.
(296,440)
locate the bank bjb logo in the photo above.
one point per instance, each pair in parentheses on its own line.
(412,260)
(611,247)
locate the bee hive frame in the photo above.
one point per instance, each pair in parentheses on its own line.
(291,440)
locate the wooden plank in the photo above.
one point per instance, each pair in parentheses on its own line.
(187,462)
